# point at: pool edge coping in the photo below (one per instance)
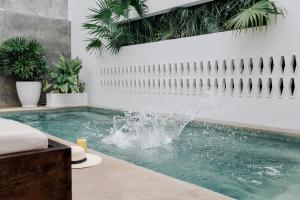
(255, 127)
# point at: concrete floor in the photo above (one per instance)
(115, 179)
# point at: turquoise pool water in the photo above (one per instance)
(240, 163)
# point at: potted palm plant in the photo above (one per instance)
(64, 86)
(24, 60)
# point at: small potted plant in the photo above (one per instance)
(64, 85)
(24, 60)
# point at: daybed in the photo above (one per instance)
(43, 173)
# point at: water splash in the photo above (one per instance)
(144, 130)
(91, 131)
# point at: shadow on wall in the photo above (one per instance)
(8, 92)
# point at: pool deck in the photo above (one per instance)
(115, 179)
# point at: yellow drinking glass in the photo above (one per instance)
(83, 143)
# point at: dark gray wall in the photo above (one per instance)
(52, 32)
(57, 9)
(8, 93)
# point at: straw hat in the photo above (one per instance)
(80, 159)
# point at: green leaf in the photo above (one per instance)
(23, 59)
(65, 77)
(102, 24)
(255, 17)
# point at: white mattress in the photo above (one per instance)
(17, 137)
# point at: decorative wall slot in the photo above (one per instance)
(241, 86)
(271, 65)
(294, 64)
(224, 86)
(208, 67)
(224, 67)
(181, 68)
(216, 67)
(259, 86)
(292, 87)
(188, 68)
(250, 66)
(270, 86)
(164, 69)
(232, 66)
(201, 67)
(250, 86)
(201, 84)
(153, 69)
(282, 64)
(195, 67)
(181, 83)
(281, 86)
(159, 69)
(216, 85)
(231, 86)
(194, 84)
(242, 66)
(208, 84)
(261, 65)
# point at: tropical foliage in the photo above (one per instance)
(256, 16)
(23, 60)
(102, 24)
(215, 16)
(65, 77)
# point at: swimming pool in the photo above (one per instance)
(240, 163)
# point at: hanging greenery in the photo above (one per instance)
(103, 26)
(256, 16)
(215, 16)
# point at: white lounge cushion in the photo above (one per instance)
(17, 137)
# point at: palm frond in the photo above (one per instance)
(94, 45)
(139, 6)
(102, 24)
(118, 38)
(255, 17)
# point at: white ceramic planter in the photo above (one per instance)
(29, 93)
(55, 100)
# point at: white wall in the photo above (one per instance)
(78, 10)
(104, 76)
